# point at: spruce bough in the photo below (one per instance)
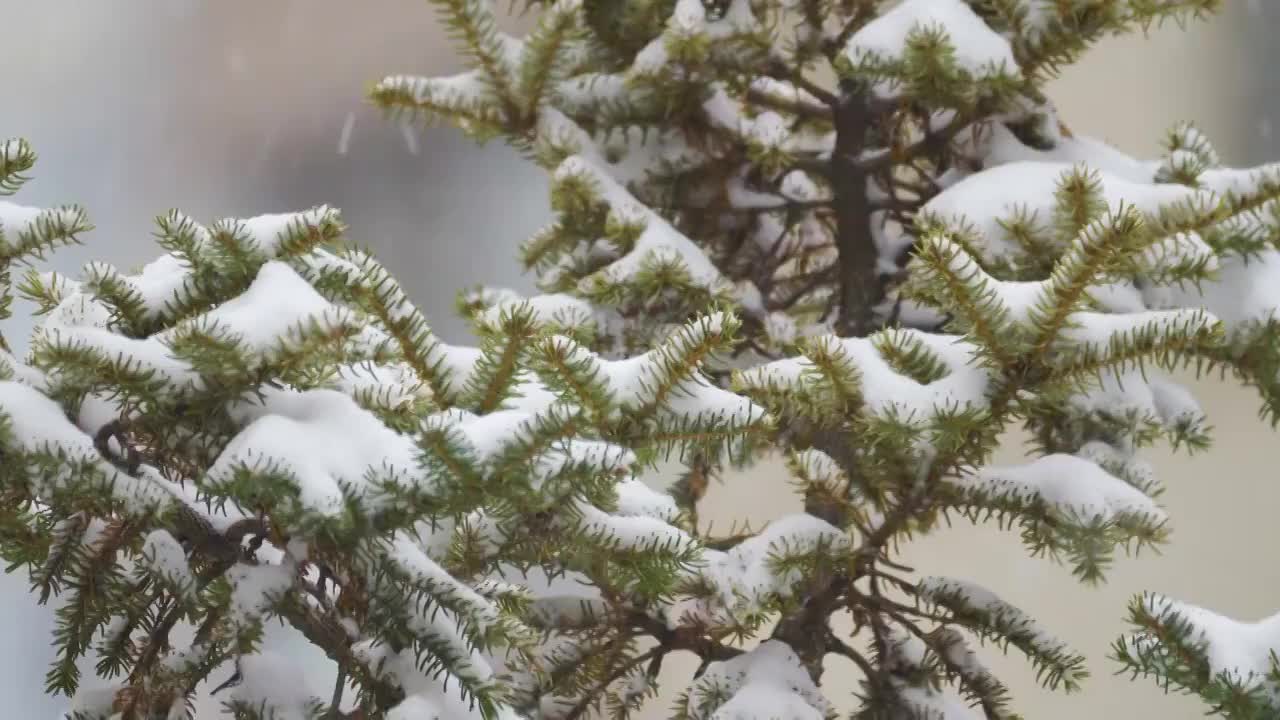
(848, 232)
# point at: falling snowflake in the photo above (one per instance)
(410, 137)
(344, 139)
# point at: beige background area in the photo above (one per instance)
(237, 107)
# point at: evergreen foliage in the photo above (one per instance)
(850, 232)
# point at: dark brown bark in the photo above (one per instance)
(860, 286)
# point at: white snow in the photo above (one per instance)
(487, 437)
(746, 575)
(1117, 297)
(634, 381)
(1237, 182)
(276, 682)
(37, 424)
(12, 149)
(323, 439)
(1119, 394)
(12, 369)
(1072, 486)
(420, 707)
(266, 233)
(255, 588)
(798, 185)
(148, 355)
(464, 91)
(769, 129)
(907, 652)
(563, 599)
(424, 572)
(630, 533)
(388, 386)
(999, 146)
(785, 91)
(162, 554)
(945, 590)
(636, 499)
(96, 700)
(160, 282)
(18, 220)
(885, 391)
(818, 467)
(766, 683)
(553, 308)
(978, 49)
(1098, 330)
(688, 21)
(766, 129)
(1179, 250)
(1175, 403)
(270, 313)
(658, 242)
(583, 93)
(77, 309)
(926, 701)
(984, 199)
(434, 697)
(742, 195)
(781, 328)
(1240, 649)
(1133, 470)
(749, 298)
(1242, 295)
(1017, 298)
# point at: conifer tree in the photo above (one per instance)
(853, 233)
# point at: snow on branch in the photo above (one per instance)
(1068, 506)
(1071, 487)
(1232, 664)
(977, 49)
(984, 613)
(768, 682)
(16, 157)
(655, 244)
(856, 370)
(27, 233)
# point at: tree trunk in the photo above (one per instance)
(860, 286)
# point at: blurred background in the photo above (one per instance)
(236, 108)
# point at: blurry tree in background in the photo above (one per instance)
(237, 108)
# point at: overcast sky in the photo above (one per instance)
(238, 108)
